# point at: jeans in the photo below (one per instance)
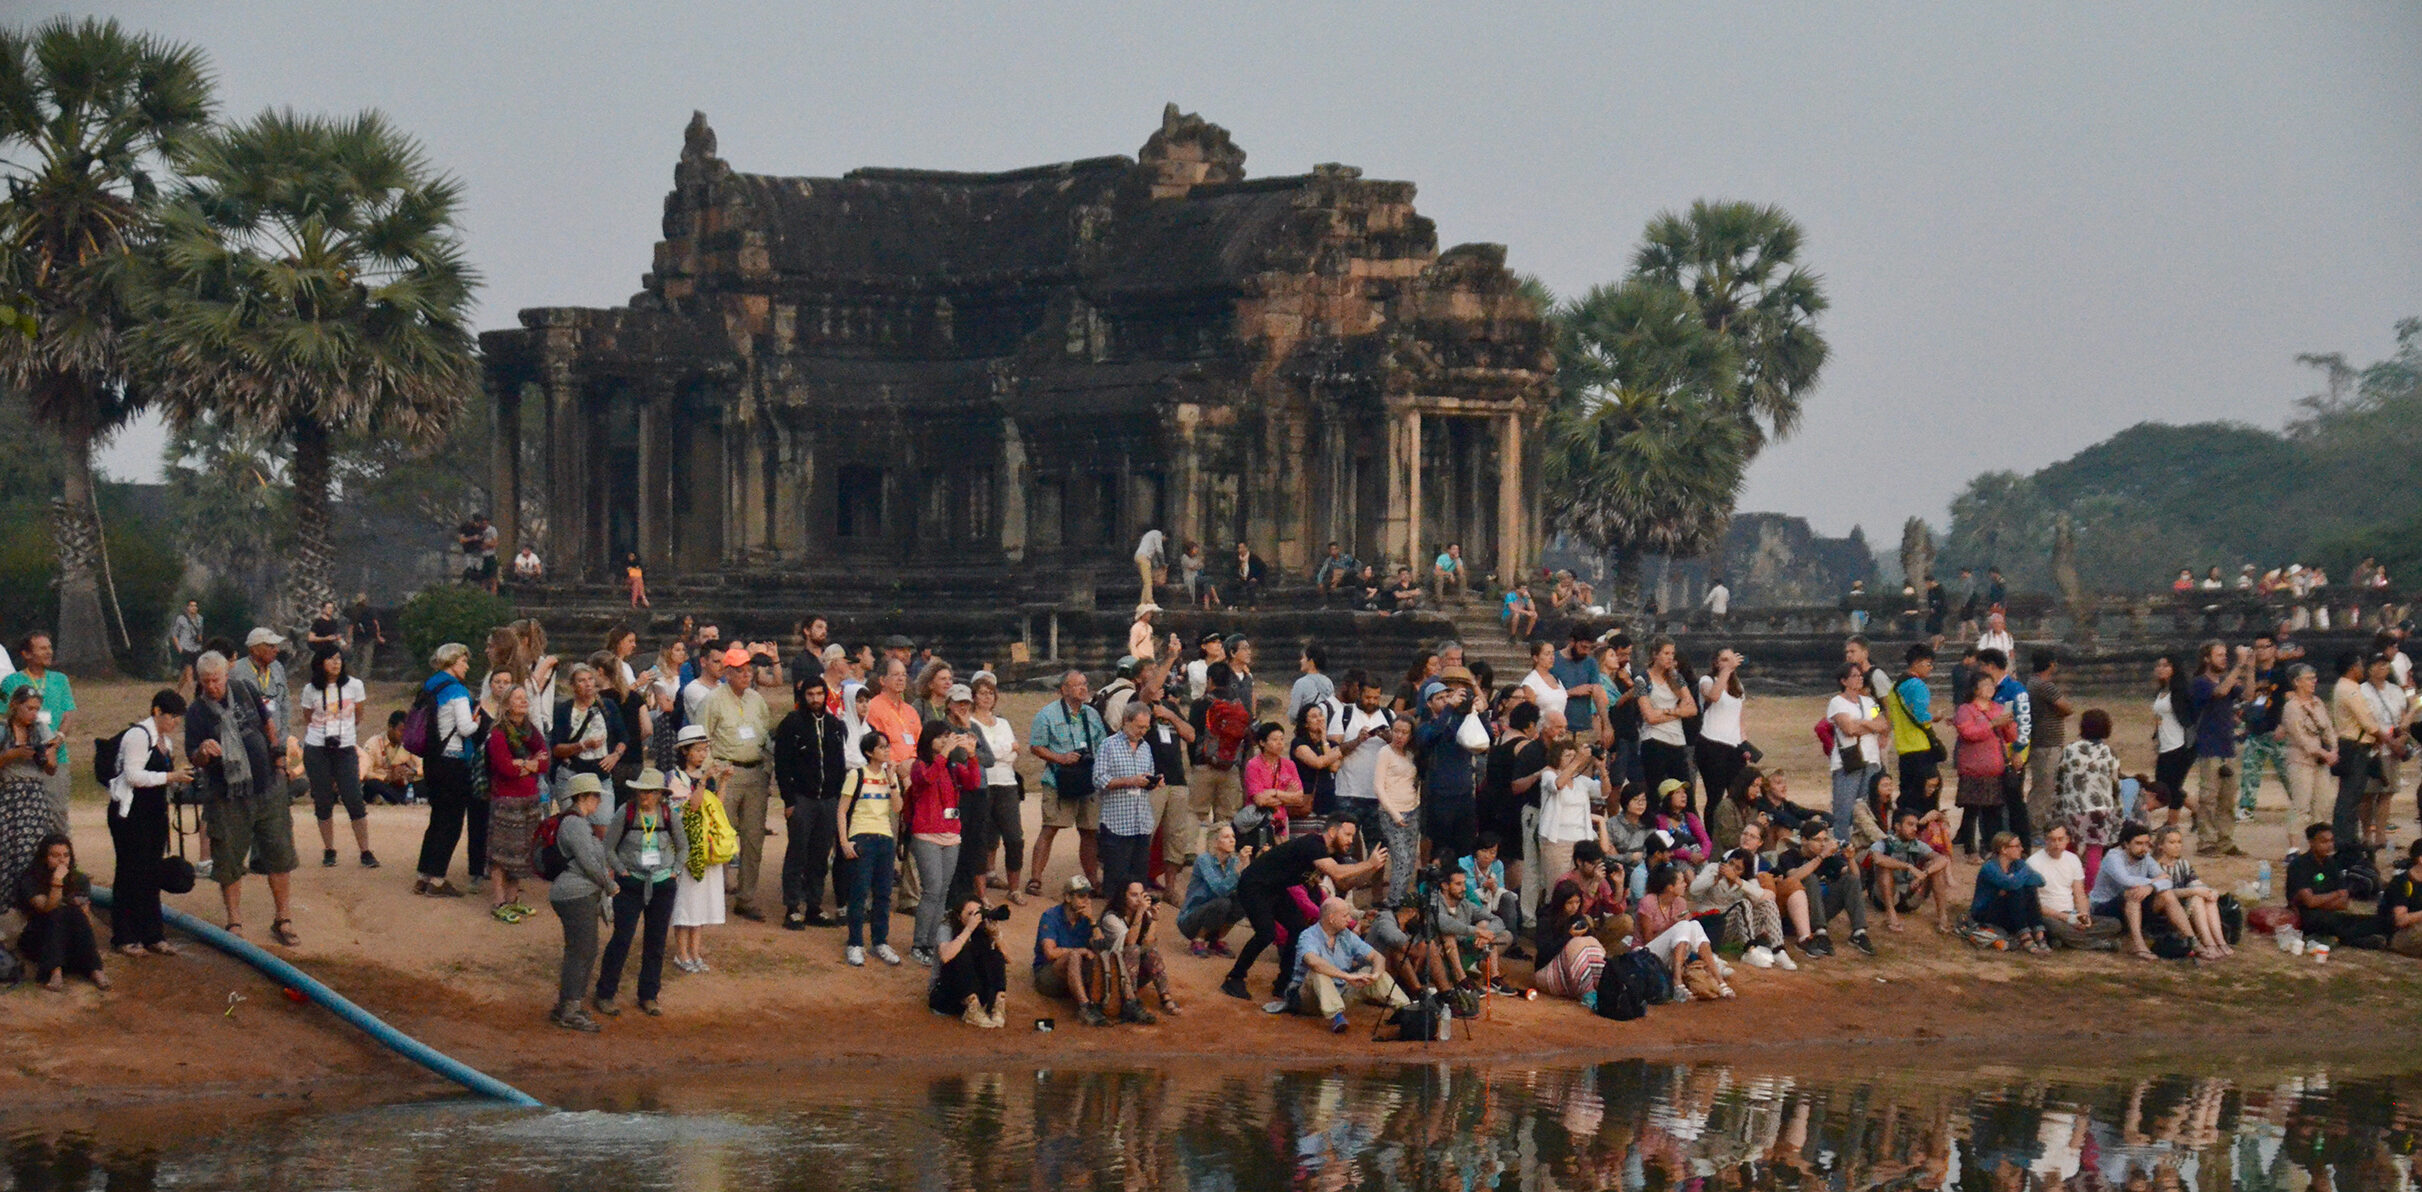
(1214, 917)
(579, 916)
(870, 889)
(1829, 898)
(1124, 859)
(637, 904)
(935, 863)
(2015, 912)
(1848, 787)
(815, 832)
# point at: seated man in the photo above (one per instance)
(388, 769)
(1656, 851)
(1408, 948)
(2316, 891)
(1484, 887)
(1332, 963)
(2401, 906)
(1471, 942)
(1403, 595)
(2130, 878)
(1832, 883)
(1520, 614)
(1367, 592)
(2069, 919)
(1066, 966)
(1904, 864)
(1768, 796)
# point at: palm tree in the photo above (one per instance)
(312, 287)
(89, 116)
(1739, 264)
(1643, 452)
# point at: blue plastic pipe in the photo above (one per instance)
(294, 978)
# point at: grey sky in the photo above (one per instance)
(2038, 223)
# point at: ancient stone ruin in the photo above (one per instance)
(1017, 373)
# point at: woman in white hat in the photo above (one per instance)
(698, 895)
(1139, 634)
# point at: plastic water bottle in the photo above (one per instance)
(2262, 879)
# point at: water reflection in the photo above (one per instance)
(1455, 1129)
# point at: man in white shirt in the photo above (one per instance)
(1718, 602)
(710, 678)
(1312, 685)
(1148, 559)
(1363, 733)
(2068, 918)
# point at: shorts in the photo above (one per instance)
(1084, 815)
(186, 659)
(2115, 909)
(249, 836)
(1050, 980)
(1181, 830)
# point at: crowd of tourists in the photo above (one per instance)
(1598, 828)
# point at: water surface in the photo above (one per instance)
(1625, 1125)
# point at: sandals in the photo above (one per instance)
(282, 930)
(130, 949)
(163, 948)
(504, 913)
(235, 929)
(1034, 887)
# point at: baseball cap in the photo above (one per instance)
(1669, 786)
(263, 637)
(961, 693)
(1076, 884)
(736, 656)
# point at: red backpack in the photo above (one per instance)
(549, 856)
(1229, 724)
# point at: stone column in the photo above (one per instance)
(504, 459)
(567, 475)
(1510, 530)
(1401, 528)
(1012, 495)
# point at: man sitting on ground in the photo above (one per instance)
(2130, 878)
(1903, 863)
(2316, 890)
(1484, 887)
(1332, 963)
(2069, 920)
(1410, 951)
(1471, 943)
(1832, 883)
(388, 770)
(2401, 906)
(1066, 966)
(1261, 893)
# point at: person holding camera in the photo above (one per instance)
(945, 771)
(972, 976)
(1129, 948)
(1125, 776)
(1472, 940)
(1262, 892)
(1210, 909)
(1450, 817)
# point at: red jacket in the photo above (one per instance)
(933, 794)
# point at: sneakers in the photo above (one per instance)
(369, 859)
(605, 1006)
(794, 920)
(327, 858)
(1133, 1011)
(651, 1009)
(1235, 988)
(571, 1018)
(820, 919)
(1200, 949)
(1219, 948)
(856, 956)
(974, 1014)
(1091, 1015)
(884, 953)
(1723, 970)
(1817, 945)
(1859, 940)
(1337, 1023)
(1783, 961)
(1274, 1006)
(201, 870)
(993, 1017)
(1758, 956)
(922, 955)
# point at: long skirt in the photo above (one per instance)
(698, 903)
(25, 818)
(513, 835)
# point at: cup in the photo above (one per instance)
(2320, 953)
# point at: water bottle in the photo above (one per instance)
(2262, 879)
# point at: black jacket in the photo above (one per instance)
(249, 713)
(808, 757)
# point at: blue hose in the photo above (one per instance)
(294, 978)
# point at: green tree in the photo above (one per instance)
(1643, 453)
(313, 287)
(90, 116)
(1739, 265)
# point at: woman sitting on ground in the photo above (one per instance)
(1570, 956)
(1130, 939)
(2005, 894)
(54, 897)
(1627, 830)
(972, 979)
(1728, 886)
(1211, 909)
(1674, 936)
(2201, 902)
(1677, 820)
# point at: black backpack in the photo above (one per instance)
(1644, 974)
(105, 756)
(1422, 1021)
(1617, 999)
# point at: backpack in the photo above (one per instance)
(1229, 723)
(547, 852)
(1428, 1019)
(1824, 734)
(1646, 976)
(1617, 998)
(105, 755)
(420, 725)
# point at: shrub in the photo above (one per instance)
(445, 613)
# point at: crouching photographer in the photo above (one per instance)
(972, 980)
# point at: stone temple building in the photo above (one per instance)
(1017, 373)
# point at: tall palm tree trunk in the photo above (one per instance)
(310, 575)
(83, 643)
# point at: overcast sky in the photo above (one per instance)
(2037, 223)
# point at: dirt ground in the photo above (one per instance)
(443, 971)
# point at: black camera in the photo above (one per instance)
(998, 914)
